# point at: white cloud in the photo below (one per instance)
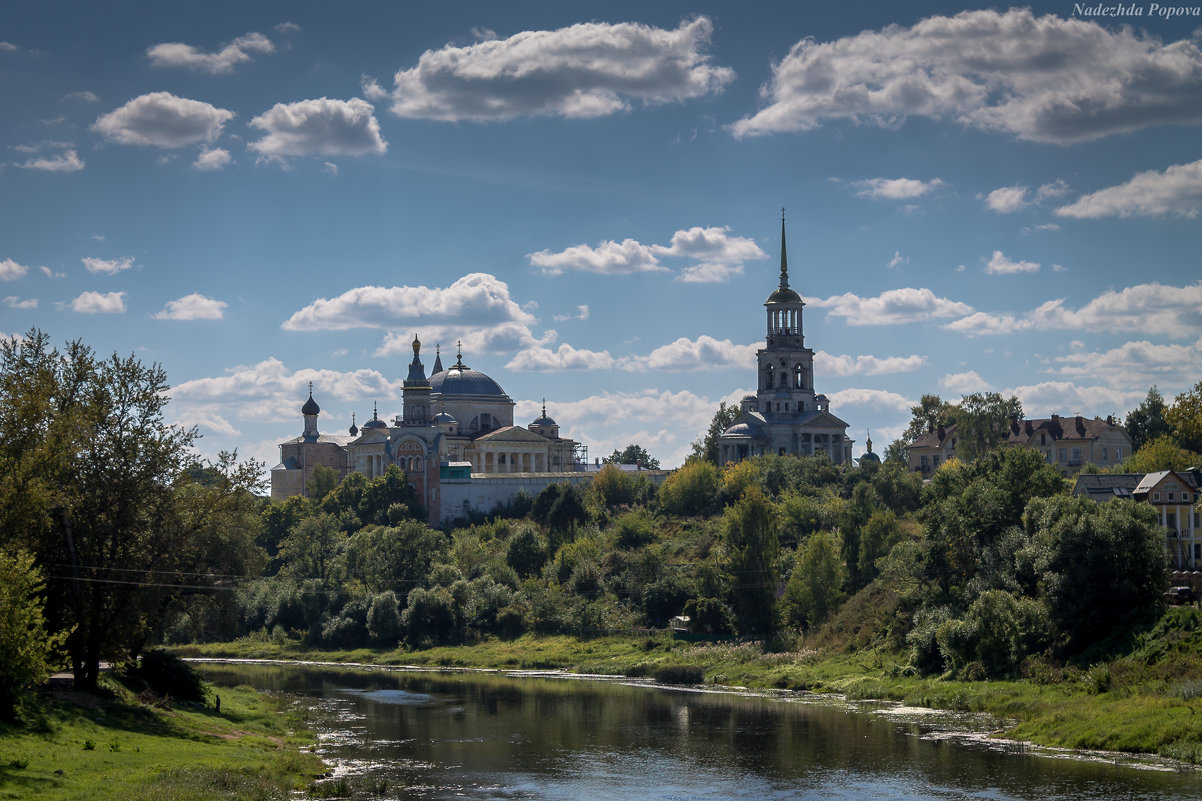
(1177, 190)
(330, 168)
(830, 364)
(321, 127)
(163, 120)
(998, 264)
(1046, 79)
(14, 302)
(476, 309)
(709, 273)
(1139, 363)
(703, 353)
(1008, 199)
(608, 258)
(1154, 309)
(1066, 398)
(586, 70)
(712, 244)
(964, 383)
(874, 399)
(83, 96)
(8, 47)
(192, 307)
(896, 188)
(898, 260)
(46, 271)
(1057, 188)
(214, 159)
(892, 307)
(67, 161)
(11, 270)
(177, 54)
(99, 303)
(107, 266)
(563, 358)
(581, 314)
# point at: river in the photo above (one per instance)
(471, 735)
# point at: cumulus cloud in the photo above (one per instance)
(99, 303)
(998, 264)
(107, 266)
(608, 258)
(892, 307)
(220, 62)
(581, 314)
(1066, 398)
(1045, 79)
(873, 399)
(703, 353)
(1139, 363)
(476, 299)
(14, 302)
(895, 188)
(192, 307)
(503, 338)
(321, 127)
(214, 159)
(163, 120)
(830, 364)
(1176, 191)
(565, 357)
(719, 255)
(83, 96)
(1010, 199)
(66, 161)
(964, 383)
(11, 270)
(1154, 309)
(586, 70)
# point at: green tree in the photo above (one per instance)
(749, 535)
(89, 471)
(396, 558)
(384, 492)
(633, 454)
(1162, 453)
(312, 549)
(1098, 564)
(526, 553)
(815, 586)
(613, 486)
(706, 448)
(931, 412)
(983, 422)
(691, 489)
(27, 650)
(323, 481)
(1146, 422)
(1185, 416)
(877, 538)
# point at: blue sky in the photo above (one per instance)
(587, 195)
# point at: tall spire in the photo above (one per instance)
(784, 260)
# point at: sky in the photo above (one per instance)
(588, 197)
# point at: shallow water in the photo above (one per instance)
(429, 735)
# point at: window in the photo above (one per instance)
(1105, 453)
(925, 465)
(1185, 497)
(1076, 455)
(1118, 454)
(1061, 455)
(936, 462)
(1156, 496)
(786, 406)
(1170, 495)
(1048, 454)
(1043, 439)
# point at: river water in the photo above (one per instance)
(478, 736)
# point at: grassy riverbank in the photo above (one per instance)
(1147, 701)
(114, 747)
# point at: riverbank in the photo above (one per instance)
(113, 747)
(1146, 702)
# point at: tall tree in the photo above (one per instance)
(749, 533)
(88, 482)
(983, 422)
(707, 447)
(633, 454)
(1146, 422)
(931, 412)
(815, 587)
(1185, 417)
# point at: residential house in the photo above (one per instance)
(1174, 495)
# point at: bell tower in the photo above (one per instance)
(786, 365)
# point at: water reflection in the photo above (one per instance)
(479, 736)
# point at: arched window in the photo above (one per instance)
(768, 380)
(799, 376)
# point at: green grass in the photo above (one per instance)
(253, 750)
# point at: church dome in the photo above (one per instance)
(459, 379)
(310, 406)
(443, 418)
(784, 295)
(742, 430)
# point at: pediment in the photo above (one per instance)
(511, 434)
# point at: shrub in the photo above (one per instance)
(169, 675)
(680, 674)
